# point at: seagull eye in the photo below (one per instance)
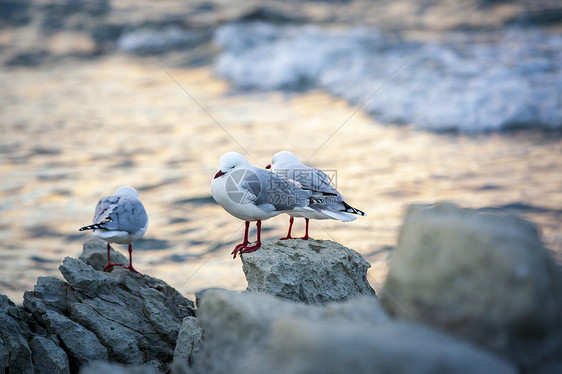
(232, 167)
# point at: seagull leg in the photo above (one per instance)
(130, 267)
(258, 243)
(244, 243)
(109, 265)
(305, 237)
(291, 220)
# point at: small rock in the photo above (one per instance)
(304, 347)
(234, 323)
(48, 358)
(49, 293)
(15, 355)
(82, 344)
(93, 256)
(311, 271)
(189, 341)
(485, 277)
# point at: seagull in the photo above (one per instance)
(253, 194)
(330, 206)
(120, 218)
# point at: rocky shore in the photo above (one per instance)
(467, 292)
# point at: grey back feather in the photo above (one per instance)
(274, 192)
(121, 213)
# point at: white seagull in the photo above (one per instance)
(253, 194)
(120, 218)
(330, 206)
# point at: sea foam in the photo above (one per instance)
(462, 84)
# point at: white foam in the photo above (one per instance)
(461, 84)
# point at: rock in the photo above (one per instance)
(15, 355)
(48, 358)
(112, 368)
(120, 316)
(481, 276)
(82, 345)
(234, 323)
(304, 347)
(49, 293)
(312, 271)
(97, 259)
(201, 293)
(189, 341)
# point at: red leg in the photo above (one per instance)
(291, 220)
(305, 237)
(258, 243)
(244, 243)
(130, 267)
(109, 265)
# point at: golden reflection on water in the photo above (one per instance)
(74, 132)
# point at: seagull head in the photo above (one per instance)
(284, 160)
(229, 162)
(127, 191)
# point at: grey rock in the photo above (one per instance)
(49, 293)
(3, 354)
(311, 271)
(81, 344)
(95, 315)
(303, 347)
(113, 368)
(123, 343)
(15, 355)
(484, 277)
(97, 259)
(189, 341)
(199, 295)
(48, 358)
(234, 323)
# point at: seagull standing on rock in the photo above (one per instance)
(330, 206)
(121, 219)
(253, 194)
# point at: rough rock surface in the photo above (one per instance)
(234, 323)
(257, 333)
(118, 316)
(15, 355)
(99, 367)
(301, 347)
(48, 358)
(189, 342)
(481, 276)
(310, 271)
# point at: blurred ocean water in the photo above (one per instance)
(463, 83)
(95, 95)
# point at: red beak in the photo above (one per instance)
(219, 173)
(268, 167)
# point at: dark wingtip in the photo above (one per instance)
(350, 209)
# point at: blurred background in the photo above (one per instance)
(408, 101)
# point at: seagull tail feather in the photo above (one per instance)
(91, 227)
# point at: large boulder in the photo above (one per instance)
(257, 333)
(119, 316)
(234, 323)
(481, 276)
(309, 271)
(322, 347)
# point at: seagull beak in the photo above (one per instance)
(219, 173)
(268, 166)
